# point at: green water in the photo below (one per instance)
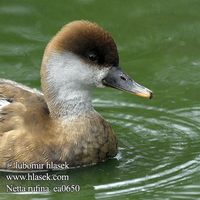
(159, 139)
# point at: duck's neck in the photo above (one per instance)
(62, 78)
(69, 102)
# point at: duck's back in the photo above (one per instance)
(20, 104)
(22, 111)
(29, 135)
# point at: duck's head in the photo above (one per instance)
(82, 55)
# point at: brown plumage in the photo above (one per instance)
(60, 125)
(28, 132)
(84, 37)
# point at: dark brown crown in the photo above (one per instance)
(87, 40)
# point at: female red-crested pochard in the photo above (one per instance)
(60, 125)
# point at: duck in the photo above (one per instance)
(59, 123)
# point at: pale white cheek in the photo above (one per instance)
(70, 80)
(65, 68)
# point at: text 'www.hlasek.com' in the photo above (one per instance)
(30, 182)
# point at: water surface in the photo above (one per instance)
(159, 140)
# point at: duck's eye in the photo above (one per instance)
(93, 57)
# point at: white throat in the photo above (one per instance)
(69, 81)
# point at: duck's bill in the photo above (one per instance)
(117, 79)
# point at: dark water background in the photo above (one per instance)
(159, 46)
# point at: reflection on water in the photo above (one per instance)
(16, 9)
(166, 148)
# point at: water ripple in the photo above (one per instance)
(166, 148)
